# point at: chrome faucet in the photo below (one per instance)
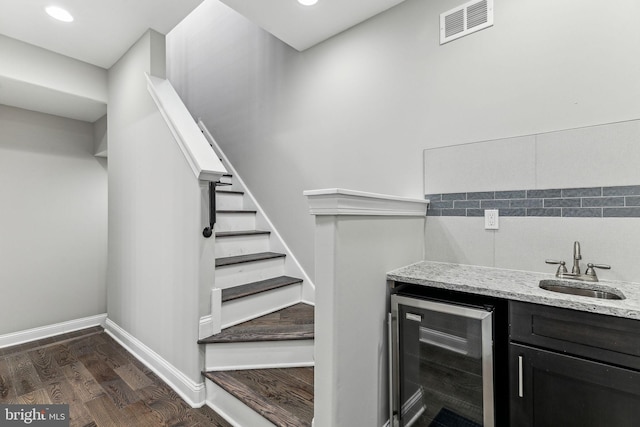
(589, 275)
(576, 258)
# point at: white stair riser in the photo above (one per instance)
(247, 308)
(231, 409)
(241, 245)
(235, 221)
(225, 200)
(259, 355)
(239, 274)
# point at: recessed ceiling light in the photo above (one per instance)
(307, 2)
(59, 14)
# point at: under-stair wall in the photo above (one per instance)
(157, 254)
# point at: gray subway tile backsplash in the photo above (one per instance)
(562, 203)
(494, 204)
(454, 196)
(582, 192)
(442, 204)
(513, 212)
(543, 194)
(453, 212)
(482, 195)
(526, 203)
(517, 194)
(621, 212)
(582, 212)
(632, 201)
(467, 204)
(587, 202)
(544, 212)
(602, 201)
(626, 190)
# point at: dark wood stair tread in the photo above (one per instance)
(229, 192)
(240, 259)
(253, 288)
(241, 233)
(283, 396)
(291, 323)
(239, 211)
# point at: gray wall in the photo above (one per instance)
(154, 220)
(357, 110)
(53, 221)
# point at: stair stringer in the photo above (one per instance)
(292, 266)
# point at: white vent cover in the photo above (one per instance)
(466, 19)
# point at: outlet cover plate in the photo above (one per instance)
(491, 219)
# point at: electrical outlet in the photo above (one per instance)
(491, 219)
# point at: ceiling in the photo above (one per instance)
(103, 30)
(302, 27)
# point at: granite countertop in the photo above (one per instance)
(518, 286)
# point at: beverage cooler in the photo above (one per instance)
(442, 363)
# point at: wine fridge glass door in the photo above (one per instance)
(442, 364)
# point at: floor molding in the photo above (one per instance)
(193, 393)
(42, 332)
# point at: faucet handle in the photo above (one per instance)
(590, 268)
(562, 268)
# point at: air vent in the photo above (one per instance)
(466, 19)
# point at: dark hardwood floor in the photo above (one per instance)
(103, 384)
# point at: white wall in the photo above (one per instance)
(155, 223)
(353, 255)
(357, 110)
(40, 80)
(53, 221)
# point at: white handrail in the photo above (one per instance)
(203, 162)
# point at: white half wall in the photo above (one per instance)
(357, 110)
(155, 222)
(353, 254)
(53, 221)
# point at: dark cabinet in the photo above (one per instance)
(570, 368)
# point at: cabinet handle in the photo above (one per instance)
(520, 387)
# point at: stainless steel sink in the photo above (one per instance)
(581, 289)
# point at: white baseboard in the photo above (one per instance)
(192, 392)
(233, 410)
(34, 334)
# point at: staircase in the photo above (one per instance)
(259, 366)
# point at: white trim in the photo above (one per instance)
(338, 201)
(193, 393)
(202, 160)
(290, 256)
(235, 356)
(232, 409)
(34, 334)
(205, 327)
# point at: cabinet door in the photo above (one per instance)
(551, 389)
